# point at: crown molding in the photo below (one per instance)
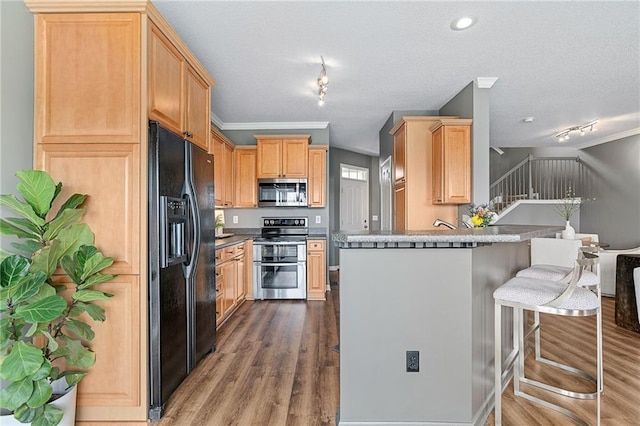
(485, 82)
(605, 139)
(294, 125)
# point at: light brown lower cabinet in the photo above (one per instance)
(232, 274)
(316, 270)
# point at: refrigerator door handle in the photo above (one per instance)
(194, 219)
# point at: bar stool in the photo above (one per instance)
(553, 259)
(550, 297)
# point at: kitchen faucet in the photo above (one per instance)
(439, 222)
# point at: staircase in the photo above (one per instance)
(540, 178)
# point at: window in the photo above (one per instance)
(354, 173)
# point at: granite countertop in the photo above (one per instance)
(463, 237)
(231, 240)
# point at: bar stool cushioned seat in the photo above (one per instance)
(537, 292)
(558, 273)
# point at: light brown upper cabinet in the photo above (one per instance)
(451, 162)
(413, 207)
(283, 156)
(246, 184)
(317, 184)
(178, 95)
(222, 150)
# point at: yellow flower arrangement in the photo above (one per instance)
(481, 215)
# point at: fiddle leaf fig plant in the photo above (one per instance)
(44, 332)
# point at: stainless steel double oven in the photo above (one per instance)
(280, 259)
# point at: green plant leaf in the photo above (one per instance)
(43, 372)
(5, 335)
(95, 264)
(23, 209)
(23, 361)
(90, 295)
(42, 391)
(96, 279)
(27, 246)
(16, 394)
(72, 202)
(52, 416)
(46, 260)
(74, 236)
(29, 287)
(95, 312)
(65, 219)
(43, 310)
(13, 269)
(73, 377)
(80, 329)
(52, 345)
(78, 356)
(37, 188)
(45, 291)
(70, 266)
(26, 414)
(10, 226)
(4, 254)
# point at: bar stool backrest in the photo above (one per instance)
(554, 251)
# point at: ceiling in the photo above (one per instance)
(564, 63)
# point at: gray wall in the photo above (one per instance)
(339, 156)
(16, 99)
(615, 172)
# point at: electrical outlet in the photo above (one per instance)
(413, 361)
(318, 219)
(235, 219)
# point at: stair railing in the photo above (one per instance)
(539, 178)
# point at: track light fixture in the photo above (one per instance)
(323, 82)
(565, 135)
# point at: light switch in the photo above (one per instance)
(235, 219)
(318, 219)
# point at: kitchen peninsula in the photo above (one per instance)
(431, 292)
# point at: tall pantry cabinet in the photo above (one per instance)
(97, 83)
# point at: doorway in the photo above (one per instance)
(354, 198)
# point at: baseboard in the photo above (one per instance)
(334, 268)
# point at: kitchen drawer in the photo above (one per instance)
(224, 254)
(315, 245)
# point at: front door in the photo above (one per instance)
(354, 198)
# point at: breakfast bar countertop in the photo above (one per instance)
(463, 237)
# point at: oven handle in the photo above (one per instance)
(263, 263)
(279, 243)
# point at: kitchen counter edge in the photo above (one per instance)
(458, 238)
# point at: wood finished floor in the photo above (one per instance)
(276, 364)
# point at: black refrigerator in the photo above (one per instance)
(182, 288)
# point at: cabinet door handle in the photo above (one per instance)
(188, 134)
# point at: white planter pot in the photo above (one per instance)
(568, 233)
(636, 284)
(67, 403)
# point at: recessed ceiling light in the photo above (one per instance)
(463, 23)
(528, 119)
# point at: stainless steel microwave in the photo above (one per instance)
(282, 192)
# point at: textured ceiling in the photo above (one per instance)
(564, 63)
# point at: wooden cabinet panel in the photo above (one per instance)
(283, 156)
(317, 185)
(451, 163)
(197, 110)
(166, 76)
(245, 177)
(229, 280)
(248, 269)
(399, 208)
(88, 78)
(115, 379)
(110, 174)
(269, 158)
(399, 154)
(240, 278)
(316, 270)
(222, 149)
(178, 96)
(295, 158)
